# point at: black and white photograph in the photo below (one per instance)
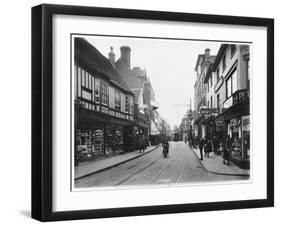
(159, 112)
(141, 112)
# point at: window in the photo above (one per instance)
(83, 77)
(79, 82)
(234, 81)
(232, 49)
(86, 79)
(223, 62)
(247, 59)
(127, 104)
(218, 74)
(218, 101)
(104, 92)
(231, 84)
(131, 105)
(211, 79)
(97, 90)
(228, 87)
(211, 102)
(93, 88)
(117, 100)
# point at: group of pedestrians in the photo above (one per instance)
(216, 145)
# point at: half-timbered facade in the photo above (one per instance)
(104, 105)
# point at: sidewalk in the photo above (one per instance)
(90, 167)
(214, 164)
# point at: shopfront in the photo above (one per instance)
(97, 135)
(237, 121)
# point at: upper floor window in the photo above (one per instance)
(104, 92)
(117, 100)
(224, 62)
(218, 101)
(218, 74)
(127, 104)
(97, 90)
(211, 78)
(131, 105)
(231, 84)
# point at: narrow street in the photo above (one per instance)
(181, 166)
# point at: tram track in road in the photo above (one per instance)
(182, 167)
(160, 172)
(140, 170)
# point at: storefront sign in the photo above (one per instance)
(207, 111)
(241, 96)
(234, 123)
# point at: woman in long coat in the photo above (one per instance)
(226, 151)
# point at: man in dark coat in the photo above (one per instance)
(201, 145)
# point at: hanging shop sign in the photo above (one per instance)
(207, 111)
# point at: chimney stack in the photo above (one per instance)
(207, 54)
(126, 55)
(111, 56)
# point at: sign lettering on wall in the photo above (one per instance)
(241, 96)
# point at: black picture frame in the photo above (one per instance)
(42, 107)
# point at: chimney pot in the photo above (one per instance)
(207, 52)
(111, 56)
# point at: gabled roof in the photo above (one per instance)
(200, 56)
(87, 56)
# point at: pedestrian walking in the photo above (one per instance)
(208, 148)
(201, 146)
(142, 145)
(226, 151)
(215, 145)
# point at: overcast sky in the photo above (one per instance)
(170, 67)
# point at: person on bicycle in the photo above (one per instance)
(166, 147)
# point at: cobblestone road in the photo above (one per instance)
(182, 166)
